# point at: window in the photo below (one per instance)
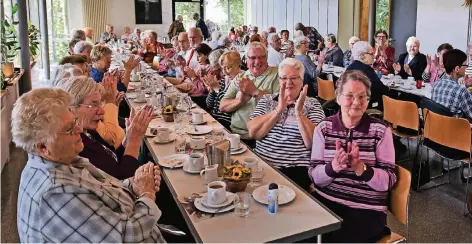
(382, 20)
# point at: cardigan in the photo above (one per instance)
(417, 65)
(106, 158)
(109, 128)
(375, 141)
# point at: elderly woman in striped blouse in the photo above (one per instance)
(354, 164)
(63, 197)
(283, 124)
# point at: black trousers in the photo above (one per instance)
(299, 175)
(359, 225)
(201, 102)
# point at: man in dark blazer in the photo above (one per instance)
(201, 24)
(411, 63)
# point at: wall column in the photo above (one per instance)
(25, 83)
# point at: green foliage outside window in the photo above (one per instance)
(382, 16)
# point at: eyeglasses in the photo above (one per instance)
(381, 36)
(256, 57)
(71, 130)
(361, 97)
(93, 105)
(291, 79)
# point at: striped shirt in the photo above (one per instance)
(283, 146)
(213, 102)
(375, 141)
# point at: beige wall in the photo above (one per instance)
(349, 17)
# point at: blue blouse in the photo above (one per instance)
(97, 76)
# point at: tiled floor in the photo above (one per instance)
(435, 215)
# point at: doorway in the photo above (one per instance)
(187, 8)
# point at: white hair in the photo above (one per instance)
(360, 48)
(298, 33)
(412, 40)
(271, 35)
(196, 29)
(81, 46)
(255, 45)
(214, 57)
(215, 35)
(222, 40)
(354, 39)
(79, 87)
(293, 63)
(64, 72)
(298, 40)
(35, 117)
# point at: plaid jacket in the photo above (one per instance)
(449, 93)
(80, 203)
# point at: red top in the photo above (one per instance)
(385, 66)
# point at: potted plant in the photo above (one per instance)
(34, 43)
(9, 45)
(236, 176)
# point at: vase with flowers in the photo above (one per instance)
(236, 176)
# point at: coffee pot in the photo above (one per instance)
(219, 153)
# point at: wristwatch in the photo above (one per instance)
(363, 169)
(256, 93)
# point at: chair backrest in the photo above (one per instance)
(401, 113)
(325, 89)
(399, 195)
(435, 107)
(447, 131)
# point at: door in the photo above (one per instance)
(402, 23)
(187, 8)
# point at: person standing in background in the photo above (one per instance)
(201, 25)
(176, 27)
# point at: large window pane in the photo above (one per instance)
(383, 15)
(187, 9)
(58, 30)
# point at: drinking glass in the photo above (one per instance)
(242, 202)
(218, 134)
(256, 177)
(180, 143)
(178, 120)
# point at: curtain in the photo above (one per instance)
(95, 16)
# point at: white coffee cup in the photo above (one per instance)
(163, 134)
(197, 117)
(135, 77)
(216, 192)
(390, 76)
(210, 173)
(196, 161)
(197, 142)
(235, 140)
(250, 163)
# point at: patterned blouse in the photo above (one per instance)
(287, 49)
(385, 67)
(213, 102)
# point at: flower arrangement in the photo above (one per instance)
(168, 113)
(236, 176)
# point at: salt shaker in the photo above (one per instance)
(273, 198)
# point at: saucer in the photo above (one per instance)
(229, 199)
(173, 161)
(241, 149)
(186, 169)
(199, 123)
(170, 139)
(138, 101)
(198, 204)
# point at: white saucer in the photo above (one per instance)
(241, 149)
(201, 207)
(170, 139)
(131, 96)
(186, 169)
(170, 161)
(286, 194)
(201, 130)
(200, 123)
(229, 199)
(137, 101)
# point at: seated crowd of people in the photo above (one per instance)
(84, 172)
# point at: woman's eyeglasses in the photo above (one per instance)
(93, 105)
(291, 79)
(361, 97)
(256, 57)
(71, 129)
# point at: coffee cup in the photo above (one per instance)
(250, 163)
(163, 134)
(197, 142)
(135, 77)
(196, 161)
(235, 140)
(210, 173)
(216, 192)
(390, 76)
(197, 117)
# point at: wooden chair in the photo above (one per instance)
(450, 138)
(325, 89)
(398, 204)
(404, 114)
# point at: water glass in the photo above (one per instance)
(178, 120)
(242, 202)
(256, 177)
(218, 134)
(180, 144)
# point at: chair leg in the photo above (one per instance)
(466, 190)
(408, 143)
(449, 170)
(419, 170)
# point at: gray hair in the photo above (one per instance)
(215, 35)
(293, 63)
(34, 118)
(352, 75)
(354, 39)
(79, 87)
(222, 40)
(197, 30)
(78, 34)
(214, 57)
(298, 40)
(64, 72)
(81, 46)
(360, 48)
(271, 36)
(255, 45)
(411, 40)
(299, 26)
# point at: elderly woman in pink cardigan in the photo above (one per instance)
(435, 70)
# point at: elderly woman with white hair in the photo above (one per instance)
(353, 164)
(62, 196)
(87, 99)
(83, 48)
(412, 63)
(215, 36)
(126, 35)
(224, 43)
(363, 56)
(311, 69)
(283, 124)
(347, 60)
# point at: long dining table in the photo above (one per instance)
(304, 217)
